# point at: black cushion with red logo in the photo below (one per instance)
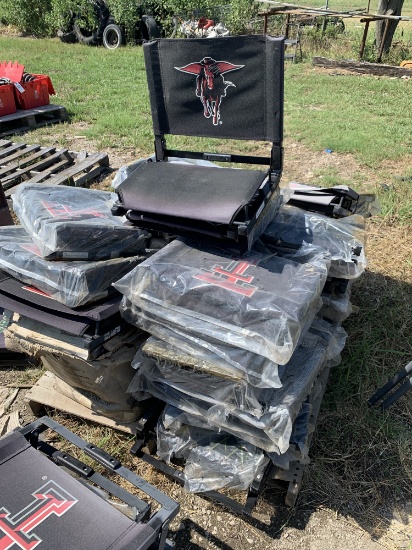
(35, 304)
(42, 505)
(74, 223)
(54, 500)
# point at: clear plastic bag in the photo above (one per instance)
(261, 302)
(336, 307)
(215, 357)
(187, 374)
(108, 377)
(343, 238)
(75, 223)
(71, 283)
(213, 460)
(273, 429)
(366, 204)
(125, 171)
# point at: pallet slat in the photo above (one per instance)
(12, 179)
(21, 153)
(101, 159)
(44, 393)
(15, 147)
(22, 163)
(45, 174)
(29, 119)
(44, 151)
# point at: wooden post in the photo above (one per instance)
(265, 23)
(287, 25)
(385, 32)
(365, 34)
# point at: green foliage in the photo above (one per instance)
(59, 16)
(126, 13)
(399, 51)
(240, 15)
(276, 25)
(370, 53)
(45, 17)
(27, 15)
(164, 10)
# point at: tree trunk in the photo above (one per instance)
(387, 7)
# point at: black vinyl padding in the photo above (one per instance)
(90, 523)
(193, 192)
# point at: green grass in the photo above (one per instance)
(396, 201)
(349, 114)
(106, 95)
(105, 90)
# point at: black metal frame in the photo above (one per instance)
(146, 436)
(275, 161)
(398, 380)
(342, 200)
(253, 493)
(159, 521)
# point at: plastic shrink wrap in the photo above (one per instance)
(212, 460)
(212, 356)
(272, 430)
(260, 303)
(343, 238)
(71, 283)
(75, 223)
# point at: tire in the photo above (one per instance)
(67, 37)
(88, 38)
(149, 28)
(92, 37)
(113, 37)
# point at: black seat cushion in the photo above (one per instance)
(188, 191)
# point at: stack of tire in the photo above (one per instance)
(106, 31)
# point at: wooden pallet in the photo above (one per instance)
(44, 394)
(28, 119)
(20, 163)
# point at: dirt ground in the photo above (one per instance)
(202, 524)
(313, 524)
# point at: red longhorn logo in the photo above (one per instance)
(210, 83)
(17, 529)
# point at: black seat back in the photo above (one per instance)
(230, 88)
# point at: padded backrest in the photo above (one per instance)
(229, 87)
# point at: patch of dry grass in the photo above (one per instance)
(362, 464)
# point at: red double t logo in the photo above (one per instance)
(232, 277)
(17, 531)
